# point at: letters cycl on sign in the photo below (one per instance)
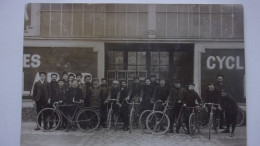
(229, 62)
(31, 60)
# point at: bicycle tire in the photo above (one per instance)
(109, 119)
(204, 119)
(210, 124)
(53, 113)
(131, 121)
(142, 119)
(192, 124)
(85, 113)
(240, 117)
(183, 126)
(163, 118)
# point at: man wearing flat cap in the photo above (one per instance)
(176, 95)
(189, 100)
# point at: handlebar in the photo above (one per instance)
(158, 101)
(55, 104)
(211, 104)
(133, 102)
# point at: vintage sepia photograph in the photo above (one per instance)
(133, 75)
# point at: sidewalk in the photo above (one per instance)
(29, 137)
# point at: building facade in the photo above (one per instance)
(190, 42)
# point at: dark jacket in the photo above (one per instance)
(62, 93)
(161, 93)
(114, 92)
(41, 91)
(190, 98)
(104, 89)
(85, 90)
(73, 93)
(135, 90)
(147, 93)
(123, 95)
(54, 89)
(219, 85)
(229, 105)
(94, 97)
(176, 95)
(212, 97)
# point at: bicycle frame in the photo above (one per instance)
(70, 119)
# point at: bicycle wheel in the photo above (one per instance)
(158, 122)
(204, 118)
(192, 124)
(87, 120)
(240, 117)
(109, 119)
(131, 121)
(183, 126)
(142, 120)
(48, 119)
(210, 124)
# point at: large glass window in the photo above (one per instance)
(137, 61)
(115, 59)
(160, 64)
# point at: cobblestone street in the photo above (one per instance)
(101, 137)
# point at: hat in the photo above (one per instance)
(191, 84)
(78, 74)
(123, 81)
(95, 79)
(220, 75)
(65, 72)
(54, 74)
(115, 82)
(71, 75)
(87, 76)
(42, 73)
(61, 80)
(103, 79)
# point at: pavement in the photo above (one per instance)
(118, 137)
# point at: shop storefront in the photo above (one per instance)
(192, 43)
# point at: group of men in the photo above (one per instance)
(69, 89)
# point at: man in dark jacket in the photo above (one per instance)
(189, 100)
(41, 96)
(103, 108)
(147, 95)
(65, 76)
(54, 87)
(176, 95)
(135, 93)
(213, 96)
(154, 84)
(85, 89)
(124, 112)
(74, 94)
(219, 85)
(230, 109)
(161, 92)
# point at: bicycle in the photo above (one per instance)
(194, 120)
(133, 116)
(111, 115)
(213, 122)
(158, 122)
(144, 115)
(86, 119)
